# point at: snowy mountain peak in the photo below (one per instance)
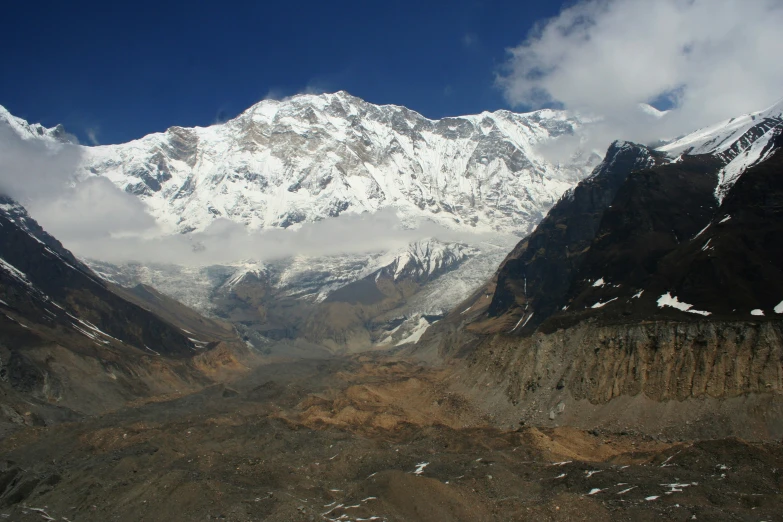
(310, 157)
(652, 111)
(740, 143)
(427, 259)
(721, 136)
(27, 131)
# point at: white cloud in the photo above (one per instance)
(34, 168)
(314, 86)
(93, 209)
(92, 135)
(225, 242)
(711, 59)
(40, 175)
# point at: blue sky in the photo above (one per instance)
(122, 70)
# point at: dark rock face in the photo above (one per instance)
(55, 276)
(641, 291)
(641, 228)
(71, 343)
(538, 272)
(667, 234)
(652, 215)
(183, 145)
(735, 263)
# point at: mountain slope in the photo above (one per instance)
(70, 342)
(540, 268)
(635, 215)
(668, 288)
(739, 143)
(28, 131)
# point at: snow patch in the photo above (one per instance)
(779, 308)
(757, 312)
(599, 304)
(199, 344)
(14, 272)
(420, 468)
(528, 319)
(702, 231)
(518, 323)
(756, 153)
(418, 331)
(599, 283)
(677, 487)
(668, 300)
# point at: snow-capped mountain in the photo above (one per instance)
(284, 163)
(316, 156)
(691, 231)
(313, 157)
(275, 298)
(29, 131)
(739, 143)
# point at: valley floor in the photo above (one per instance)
(368, 438)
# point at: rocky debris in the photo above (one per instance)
(215, 457)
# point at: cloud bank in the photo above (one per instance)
(707, 60)
(227, 242)
(34, 169)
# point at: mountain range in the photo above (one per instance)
(478, 181)
(656, 279)
(596, 340)
(283, 164)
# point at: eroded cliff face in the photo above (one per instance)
(664, 361)
(616, 375)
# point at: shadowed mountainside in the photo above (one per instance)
(71, 343)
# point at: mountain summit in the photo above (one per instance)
(311, 157)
